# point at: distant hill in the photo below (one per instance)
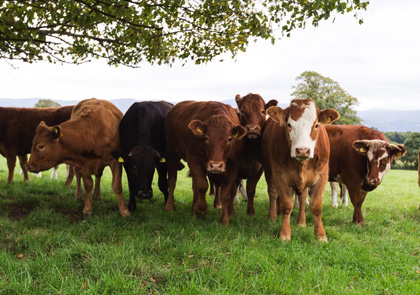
(383, 120)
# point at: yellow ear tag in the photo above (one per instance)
(235, 135)
(329, 120)
(362, 150)
(399, 154)
(61, 134)
(199, 130)
(162, 160)
(121, 160)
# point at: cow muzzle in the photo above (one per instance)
(302, 154)
(373, 181)
(216, 167)
(32, 168)
(253, 131)
(144, 195)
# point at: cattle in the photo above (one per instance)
(360, 158)
(208, 136)
(252, 115)
(418, 169)
(142, 138)
(85, 142)
(334, 193)
(17, 129)
(295, 155)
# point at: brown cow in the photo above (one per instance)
(360, 158)
(17, 129)
(252, 115)
(296, 153)
(207, 135)
(86, 142)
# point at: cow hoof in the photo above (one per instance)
(334, 206)
(219, 206)
(323, 239)
(301, 224)
(285, 238)
(125, 213)
(87, 212)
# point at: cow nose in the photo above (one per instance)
(373, 181)
(253, 129)
(302, 152)
(216, 167)
(31, 168)
(145, 195)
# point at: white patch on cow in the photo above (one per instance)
(300, 135)
(54, 174)
(374, 147)
(334, 191)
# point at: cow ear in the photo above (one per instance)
(238, 132)
(238, 99)
(397, 151)
(271, 103)
(197, 127)
(361, 146)
(276, 114)
(119, 155)
(56, 132)
(328, 116)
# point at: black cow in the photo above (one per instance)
(142, 139)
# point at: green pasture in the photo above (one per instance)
(48, 247)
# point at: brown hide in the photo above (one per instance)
(17, 130)
(285, 173)
(349, 166)
(207, 135)
(86, 142)
(252, 115)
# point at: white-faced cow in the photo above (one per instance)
(360, 158)
(296, 153)
(143, 141)
(86, 142)
(208, 136)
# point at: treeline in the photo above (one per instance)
(411, 141)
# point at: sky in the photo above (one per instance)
(377, 62)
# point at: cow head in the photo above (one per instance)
(301, 121)
(252, 113)
(219, 134)
(139, 164)
(46, 147)
(380, 155)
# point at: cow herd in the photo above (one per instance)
(296, 148)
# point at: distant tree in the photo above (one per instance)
(158, 31)
(327, 94)
(397, 137)
(412, 144)
(47, 103)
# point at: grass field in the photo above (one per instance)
(48, 247)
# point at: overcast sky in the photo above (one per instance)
(377, 62)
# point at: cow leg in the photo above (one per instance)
(273, 206)
(70, 175)
(88, 184)
(116, 170)
(357, 198)
(242, 190)
(78, 193)
(301, 219)
(54, 173)
(172, 166)
(97, 188)
(286, 207)
(217, 191)
(334, 190)
(11, 163)
(343, 195)
(227, 196)
(162, 181)
(200, 187)
(22, 161)
(315, 204)
(251, 185)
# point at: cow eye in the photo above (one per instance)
(289, 125)
(317, 125)
(40, 147)
(230, 139)
(263, 112)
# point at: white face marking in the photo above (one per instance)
(300, 135)
(374, 147)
